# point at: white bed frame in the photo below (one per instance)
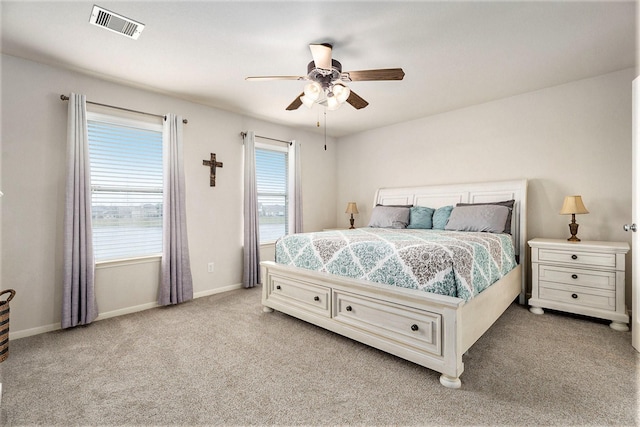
(431, 330)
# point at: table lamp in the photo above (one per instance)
(352, 208)
(573, 205)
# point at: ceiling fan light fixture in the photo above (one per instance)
(308, 102)
(341, 93)
(333, 103)
(313, 91)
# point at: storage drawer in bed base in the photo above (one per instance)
(411, 328)
(306, 296)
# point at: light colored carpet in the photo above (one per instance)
(220, 360)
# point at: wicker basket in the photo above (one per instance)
(4, 324)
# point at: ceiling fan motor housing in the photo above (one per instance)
(322, 76)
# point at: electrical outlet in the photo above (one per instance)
(210, 267)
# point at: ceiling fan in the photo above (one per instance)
(327, 80)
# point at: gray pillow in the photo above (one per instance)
(489, 218)
(389, 217)
(507, 203)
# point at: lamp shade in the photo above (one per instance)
(352, 208)
(573, 205)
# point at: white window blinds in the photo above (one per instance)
(273, 197)
(126, 187)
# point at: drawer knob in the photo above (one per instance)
(278, 287)
(574, 276)
(414, 327)
(574, 296)
(349, 308)
(574, 256)
(316, 298)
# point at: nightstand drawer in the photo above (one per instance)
(575, 276)
(605, 300)
(592, 259)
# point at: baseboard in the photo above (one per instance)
(114, 313)
(127, 310)
(217, 290)
(33, 331)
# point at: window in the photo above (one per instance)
(272, 180)
(126, 187)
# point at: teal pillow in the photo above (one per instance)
(420, 217)
(441, 216)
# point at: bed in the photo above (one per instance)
(429, 329)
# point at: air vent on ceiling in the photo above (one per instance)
(116, 23)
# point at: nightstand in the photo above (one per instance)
(580, 277)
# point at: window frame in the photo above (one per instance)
(290, 178)
(116, 120)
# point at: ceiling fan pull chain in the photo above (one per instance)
(325, 129)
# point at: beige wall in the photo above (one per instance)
(569, 139)
(33, 174)
(574, 138)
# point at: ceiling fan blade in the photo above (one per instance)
(356, 101)
(321, 55)
(296, 103)
(368, 75)
(265, 78)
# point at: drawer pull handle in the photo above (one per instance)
(278, 287)
(349, 308)
(574, 276)
(574, 256)
(574, 296)
(316, 298)
(414, 327)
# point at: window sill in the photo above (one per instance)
(129, 261)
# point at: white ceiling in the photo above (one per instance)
(454, 54)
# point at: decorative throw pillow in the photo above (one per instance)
(420, 217)
(441, 216)
(389, 217)
(489, 218)
(507, 203)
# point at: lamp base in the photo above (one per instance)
(351, 221)
(573, 228)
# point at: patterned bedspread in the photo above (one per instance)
(454, 263)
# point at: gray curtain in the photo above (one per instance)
(297, 189)
(176, 284)
(78, 297)
(251, 273)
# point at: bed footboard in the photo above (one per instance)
(424, 328)
(419, 328)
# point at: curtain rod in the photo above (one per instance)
(66, 98)
(243, 134)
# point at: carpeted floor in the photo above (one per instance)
(220, 360)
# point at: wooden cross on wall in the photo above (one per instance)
(213, 164)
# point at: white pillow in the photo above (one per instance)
(489, 218)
